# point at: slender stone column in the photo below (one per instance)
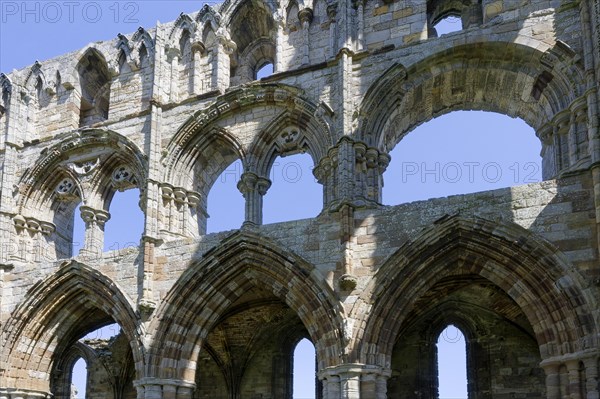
(591, 376)
(279, 45)
(173, 55)
(253, 188)
(574, 379)
(197, 51)
(552, 380)
(333, 42)
(331, 387)
(222, 62)
(350, 385)
(381, 392)
(305, 16)
(354, 381)
(359, 5)
(94, 219)
(572, 139)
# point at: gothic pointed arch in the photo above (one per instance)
(292, 131)
(182, 24)
(57, 311)
(244, 260)
(5, 93)
(292, 107)
(34, 77)
(88, 166)
(125, 54)
(555, 299)
(94, 75)
(209, 16)
(61, 379)
(252, 26)
(105, 150)
(230, 8)
(141, 38)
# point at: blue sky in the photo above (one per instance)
(457, 153)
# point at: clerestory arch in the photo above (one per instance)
(201, 130)
(508, 78)
(87, 167)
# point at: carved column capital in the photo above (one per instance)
(247, 182)
(198, 47)
(94, 216)
(173, 53)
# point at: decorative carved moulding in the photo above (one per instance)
(33, 225)
(179, 195)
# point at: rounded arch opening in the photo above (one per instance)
(78, 226)
(462, 152)
(443, 347)
(448, 24)
(57, 313)
(304, 370)
(451, 362)
(264, 69)
(79, 379)
(252, 27)
(446, 16)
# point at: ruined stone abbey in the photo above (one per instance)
(166, 110)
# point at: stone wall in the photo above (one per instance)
(167, 109)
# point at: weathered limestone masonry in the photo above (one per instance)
(217, 316)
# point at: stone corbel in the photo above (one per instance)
(180, 196)
(360, 154)
(166, 192)
(199, 47)
(33, 225)
(332, 12)
(172, 53)
(305, 16)
(229, 46)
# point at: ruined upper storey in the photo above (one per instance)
(167, 109)
(204, 54)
